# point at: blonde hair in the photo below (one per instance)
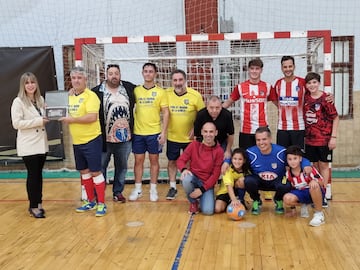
(28, 76)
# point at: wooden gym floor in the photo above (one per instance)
(162, 235)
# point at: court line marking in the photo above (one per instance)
(182, 243)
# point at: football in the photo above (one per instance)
(235, 213)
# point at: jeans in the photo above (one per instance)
(207, 199)
(121, 152)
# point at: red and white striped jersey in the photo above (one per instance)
(253, 104)
(290, 97)
(302, 181)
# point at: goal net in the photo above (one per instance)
(214, 63)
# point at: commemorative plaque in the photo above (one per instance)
(56, 104)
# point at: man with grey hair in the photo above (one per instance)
(84, 126)
(184, 103)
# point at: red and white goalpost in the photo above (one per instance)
(214, 63)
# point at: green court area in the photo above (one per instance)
(130, 175)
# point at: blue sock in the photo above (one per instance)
(241, 193)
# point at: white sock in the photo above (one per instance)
(138, 186)
(173, 184)
(152, 186)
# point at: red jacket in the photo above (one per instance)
(205, 162)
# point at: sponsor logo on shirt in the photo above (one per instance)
(289, 101)
(268, 176)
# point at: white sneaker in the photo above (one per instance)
(317, 219)
(304, 213)
(153, 195)
(135, 194)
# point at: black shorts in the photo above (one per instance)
(318, 153)
(224, 197)
(290, 137)
(173, 149)
(246, 140)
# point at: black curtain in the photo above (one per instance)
(13, 63)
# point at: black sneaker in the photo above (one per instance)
(172, 193)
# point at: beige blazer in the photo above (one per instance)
(31, 134)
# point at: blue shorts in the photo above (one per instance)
(173, 149)
(303, 195)
(146, 143)
(88, 155)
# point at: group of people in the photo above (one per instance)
(117, 117)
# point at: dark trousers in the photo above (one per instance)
(254, 183)
(34, 181)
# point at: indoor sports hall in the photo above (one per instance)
(213, 42)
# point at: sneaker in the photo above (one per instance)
(153, 195)
(172, 193)
(119, 198)
(135, 194)
(304, 213)
(279, 208)
(325, 203)
(255, 208)
(87, 206)
(268, 195)
(317, 219)
(194, 208)
(101, 210)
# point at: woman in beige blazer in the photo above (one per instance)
(28, 118)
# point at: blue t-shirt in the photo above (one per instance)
(270, 166)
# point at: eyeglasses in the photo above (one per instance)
(111, 66)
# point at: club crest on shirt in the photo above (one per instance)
(297, 88)
(154, 94)
(274, 165)
(317, 106)
(186, 101)
(262, 93)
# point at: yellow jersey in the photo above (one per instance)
(86, 102)
(183, 110)
(148, 104)
(229, 179)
